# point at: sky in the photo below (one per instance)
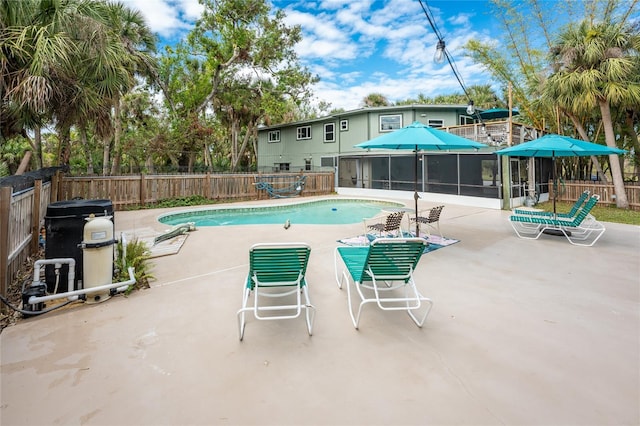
(359, 47)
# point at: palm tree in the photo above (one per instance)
(36, 54)
(597, 68)
(68, 61)
(129, 29)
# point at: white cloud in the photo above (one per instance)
(192, 9)
(358, 47)
(162, 16)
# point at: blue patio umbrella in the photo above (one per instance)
(419, 137)
(552, 146)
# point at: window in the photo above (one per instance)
(390, 122)
(274, 136)
(303, 133)
(465, 120)
(330, 132)
(283, 167)
(344, 125)
(307, 164)
(328, 161)
(436, 123)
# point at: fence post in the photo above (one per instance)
(56, 184)
(35, 216)
(143, 195)
(5, 212)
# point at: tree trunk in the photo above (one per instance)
(149, 165)
(88, 157)
(117, 154)
(105, 157)
(614, 160)
(37, 142)
(629, 130)
(64, 150)
(583, 134)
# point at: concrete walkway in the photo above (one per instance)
(521, 333)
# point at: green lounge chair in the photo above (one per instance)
(277, 270)
(581, 230)
(382, 273)
(571, 214)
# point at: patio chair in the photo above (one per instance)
(382, 273)
(384, 226)
(581, 230)
(277, 270)
(431, 218)
(574, 209)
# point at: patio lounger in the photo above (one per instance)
(431, 218)
(277, 270)
(382, 273)
(571, 214)
(386, 225)
(582, 230)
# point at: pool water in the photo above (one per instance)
(322, 212)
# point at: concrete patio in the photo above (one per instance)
(521, 333)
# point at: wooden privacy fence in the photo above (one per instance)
(134, 191)
(22, 213)
(570, 191)
(20, 217)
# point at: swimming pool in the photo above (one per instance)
(321, 212)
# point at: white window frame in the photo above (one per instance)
(436, 123)
(465, 119)
(344, 125)
(332, 132)
(389, 122)
(300, 133)
(275, 138)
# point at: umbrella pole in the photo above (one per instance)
(554, 231)
(415, 193)
(555, 185)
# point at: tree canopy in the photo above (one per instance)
(86, 73)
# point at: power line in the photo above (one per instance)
(441, 51)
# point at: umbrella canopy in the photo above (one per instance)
(552, 146)
(419, 137)
(497, 113)
(558, 146)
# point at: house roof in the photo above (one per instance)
(382, 109)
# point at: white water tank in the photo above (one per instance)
(97, 252)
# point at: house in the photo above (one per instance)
(328, 143)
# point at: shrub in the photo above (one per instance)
(138, 256)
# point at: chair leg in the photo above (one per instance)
(336, 255)
(355, 319)
(419, 322)
(438, 228)
(310, 311)
(241, 312)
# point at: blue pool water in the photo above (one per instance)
(322, 212)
